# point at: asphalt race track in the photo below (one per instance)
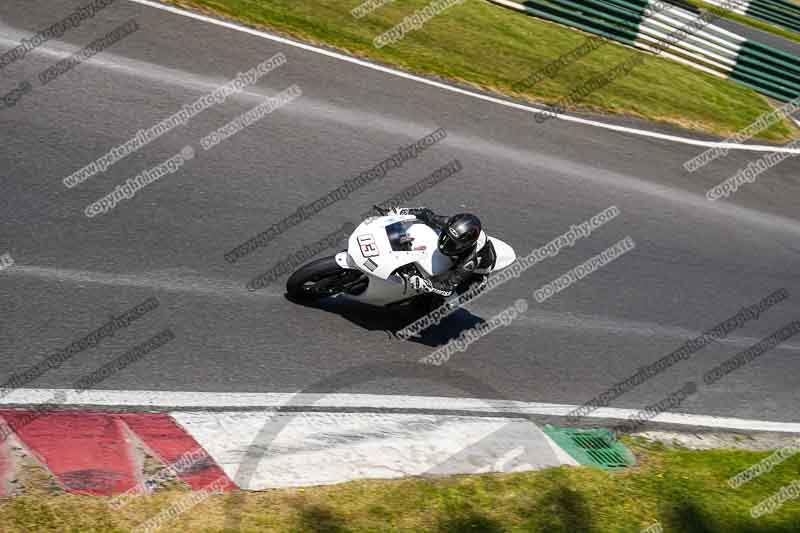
(696, 262)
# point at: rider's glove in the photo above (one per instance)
(420, 284)
(422, 213)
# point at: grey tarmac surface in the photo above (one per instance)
(696, 263)
(761, 36)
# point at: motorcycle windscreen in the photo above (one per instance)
(505, 254)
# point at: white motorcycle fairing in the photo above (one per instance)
(381, 245)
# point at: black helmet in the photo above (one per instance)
(460, 235)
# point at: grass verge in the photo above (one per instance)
(684, 490)
(490, 47)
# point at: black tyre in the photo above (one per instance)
(321, 278)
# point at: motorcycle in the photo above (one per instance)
(382, 254)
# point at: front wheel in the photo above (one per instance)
(321, 278)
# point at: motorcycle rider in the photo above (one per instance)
(462, 240)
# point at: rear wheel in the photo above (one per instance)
(323, 277)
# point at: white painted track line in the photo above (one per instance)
(458, 90)
(302, 449)
(245, 400)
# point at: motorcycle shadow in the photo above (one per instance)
(395, 318)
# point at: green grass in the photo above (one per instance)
(686, 491)
(748, 21)
(490, 47)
